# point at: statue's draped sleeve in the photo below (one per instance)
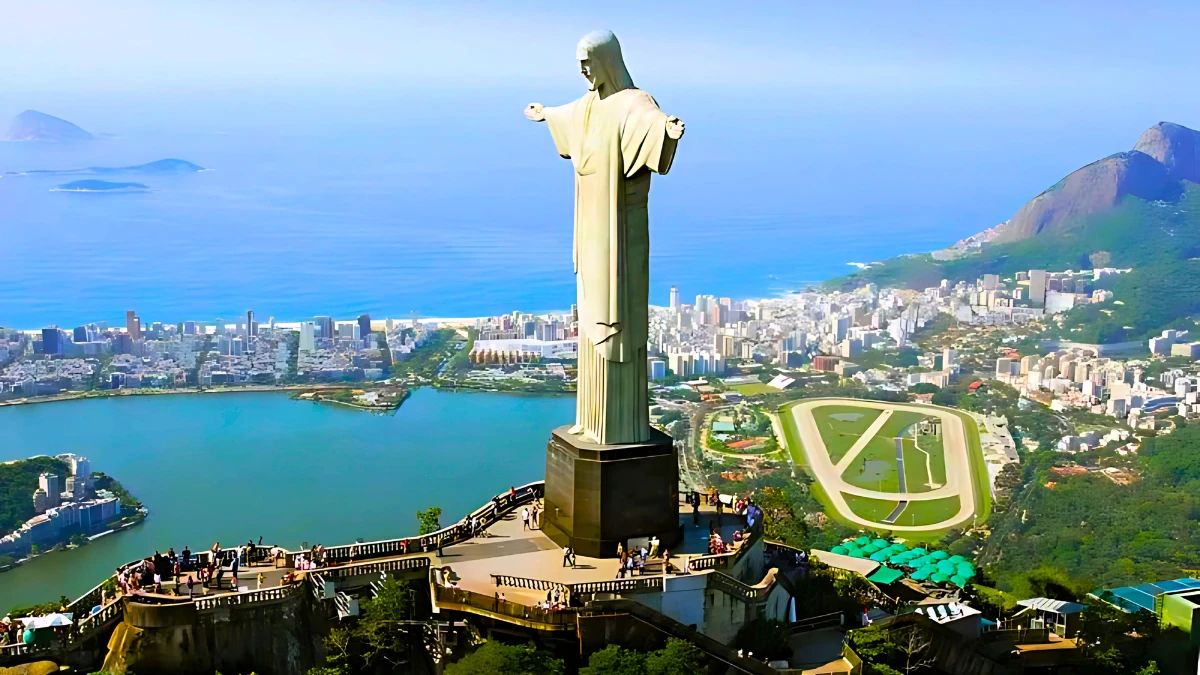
(644, 140)
(566, 138)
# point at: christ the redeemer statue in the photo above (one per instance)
(615, 136)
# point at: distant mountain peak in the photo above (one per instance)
(1164, 155)
(32, 125)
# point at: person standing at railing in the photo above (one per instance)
(525, 519)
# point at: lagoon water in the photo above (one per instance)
(231, 467)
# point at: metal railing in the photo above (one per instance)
(580, 588)
(816, 622)
(488, 514)
(462, 598)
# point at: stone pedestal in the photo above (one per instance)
(599, 495)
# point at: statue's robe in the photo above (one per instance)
(614, 143)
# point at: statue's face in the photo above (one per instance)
(591, 76)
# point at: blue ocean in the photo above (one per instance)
(451, 204)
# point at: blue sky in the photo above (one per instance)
(970, 49)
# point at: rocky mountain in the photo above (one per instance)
(32, 125)
(1164, 157)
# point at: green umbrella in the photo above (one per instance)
(850, 544)
(919, 551)
(958, 581)
(956, 559)
(897, 559)
(919, 561)
(898, 548)
(946, 566)
(966, 572)
(939, 555)
(930, 569)
(856, 553)
(939, 578)
(880, 543)
(863, 541)
(840, 550)
(879, 556)
(919, 575)
(869, 549)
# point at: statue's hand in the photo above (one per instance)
(536, 112)
(674, 128)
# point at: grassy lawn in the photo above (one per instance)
(916, 470)
(875, 467)
(899, 421)
(929, 512)
(870, 509)
(754, 389)
(937, 456)
(840, 434)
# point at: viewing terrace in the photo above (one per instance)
(503, 571)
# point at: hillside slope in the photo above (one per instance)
(1165, 155)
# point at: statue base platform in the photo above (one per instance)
(600, 495)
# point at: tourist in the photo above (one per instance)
(185, 558)
(217, 579)
(512, 493)
(250, 553)
(568, 557)
(261, 579)
(191, 584)
(525, 519)
(621, 551)
(694, 499)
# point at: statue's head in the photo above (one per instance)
(600, 61)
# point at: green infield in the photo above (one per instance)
(875, 467)
(929, 452)
(929, 512)
(900, 421)
(871, 509)
(841, 426)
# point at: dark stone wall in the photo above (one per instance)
(268, 638)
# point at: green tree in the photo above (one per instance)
(428, 520)
(678, 657)
(382, 629)
(615, 660)
(496, 657)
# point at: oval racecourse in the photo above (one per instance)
(900, 467)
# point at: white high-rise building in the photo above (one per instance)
(949, 357)
(307, 330)
(674, 299)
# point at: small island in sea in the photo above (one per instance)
(100, 186)
(157, 168)
(32, 125)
